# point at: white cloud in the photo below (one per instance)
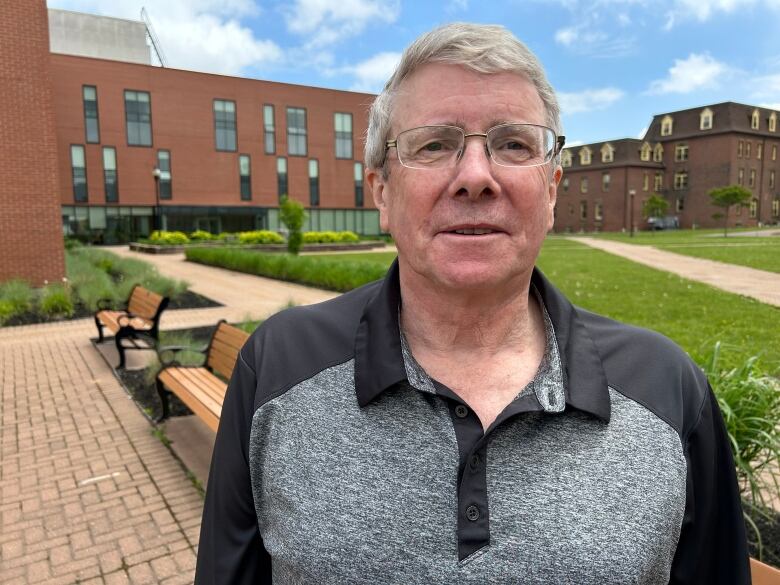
(702, 10)
(589, 100)
(775, 106)
(573, 143)
(204, 35)
(326, 22)
(566, 36)
(457, 6)
(698, 71)
(370, 75)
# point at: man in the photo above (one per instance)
(461, 421)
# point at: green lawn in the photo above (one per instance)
(694, 315)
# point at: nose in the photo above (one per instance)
(474, 175)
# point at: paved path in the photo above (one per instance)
(758, 284)
(87, 493)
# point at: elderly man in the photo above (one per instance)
(460, 421)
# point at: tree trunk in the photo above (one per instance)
(726, 222)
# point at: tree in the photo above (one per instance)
(655, 206)
(726, 197)
(292, 215)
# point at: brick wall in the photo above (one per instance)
(30, 233)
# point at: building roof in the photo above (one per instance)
(726, 117)
(626, 152)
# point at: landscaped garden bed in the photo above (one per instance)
(92, 274)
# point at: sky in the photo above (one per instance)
(613, 63)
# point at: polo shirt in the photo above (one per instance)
(339, 460)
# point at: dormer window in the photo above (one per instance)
(773, 122)
(666, 126)
(607, 153)
(754, 119)
(658, 153)
(566, 158)
(645, 151)
(705, 119)
(585, 153)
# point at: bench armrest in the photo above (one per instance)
(167, 354)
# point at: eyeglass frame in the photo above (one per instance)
(559, 141)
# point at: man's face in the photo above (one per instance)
(423, 208)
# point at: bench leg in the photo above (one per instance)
(120, 349)
(164, 394)
(100, 329)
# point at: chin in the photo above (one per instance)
(464, 274)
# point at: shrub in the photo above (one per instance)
(226, 237)
(56, 300)
(201, 236)
(260, 237)
(329, 237)
(338, 275)
(168, 238)
(292, 215)
(18, 294)
(347, 236)
(6, 311)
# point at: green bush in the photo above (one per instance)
(56, 300)
(292, 214)
(226, 237)
(18, 294)
(329, 237)
(6, 311)
(164, 238)
(338, 275)
(260, 237)
(201, 236)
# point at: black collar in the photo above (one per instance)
(379, 362)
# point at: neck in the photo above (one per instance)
(489, 320)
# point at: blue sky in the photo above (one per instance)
(614, 63)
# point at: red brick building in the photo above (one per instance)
(682, 156)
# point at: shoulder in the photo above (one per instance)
(650, 369)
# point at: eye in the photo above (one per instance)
(433, 146)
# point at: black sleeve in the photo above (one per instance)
(712, 548)
(231, 550)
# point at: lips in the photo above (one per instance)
(473, 230)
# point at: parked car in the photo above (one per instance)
(670, 222)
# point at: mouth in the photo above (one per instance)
(473, 230)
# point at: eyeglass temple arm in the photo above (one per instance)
(559, 144)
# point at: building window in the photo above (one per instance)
(605, 181)
(658, 183)
(645, 152)
(91, 123)
(753, 207)
(738, 209)
(225, 125)
(679, 204)
(681, 180)
(754, 122)
(281, 177)
(646, 182)
(138, 116)
(245, 177)
(78, 167)
(667, 125)
(771, 179)
(774, 152)
(747, 148)
(741, 176)
(681, 152)
(752, 180)
(759, 150)
(109, 174)
(269, 129)
(565, 184)
(607, 153)
(314, 183)
(583, 209)
(585, 156)
(772, 122)
(358, 184)
(775, 207)
(598, 211)
(584, 185)
(566, 158)
(705, 119)
(740, 148)
(164, 181)
(342, 124)
(658, 153)
(296, 131)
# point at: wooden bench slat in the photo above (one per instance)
(212, 391)
(207, 409)
(232, 335)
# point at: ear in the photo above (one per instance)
(376, 184)
(552, 195)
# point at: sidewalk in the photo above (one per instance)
(761, 285)
(88, 494)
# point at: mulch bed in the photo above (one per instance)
(770, 537)
(187, 300)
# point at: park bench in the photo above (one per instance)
(201, 388)
(763, 574)
(138, 321)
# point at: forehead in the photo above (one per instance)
(438, 93)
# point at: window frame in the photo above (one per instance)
(115, 199)
(681, 152)
(269, 133)
(73, 168)
(245, 180)
(97, 114)
(314, 183)
(282, 178)
(127, 120)
(359, 189)
(216, 126)
(305, 132)
(337, 137)
(165, 183)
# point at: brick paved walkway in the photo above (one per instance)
(88, 494)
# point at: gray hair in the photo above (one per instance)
(478, 47)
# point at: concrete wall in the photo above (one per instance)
(31, 245)
(75, 33)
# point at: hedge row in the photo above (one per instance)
(166, 238)
(337, 275)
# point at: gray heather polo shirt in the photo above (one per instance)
(339, 460)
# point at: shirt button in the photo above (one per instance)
(472, 513)
(461, 411)
(474, 461)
